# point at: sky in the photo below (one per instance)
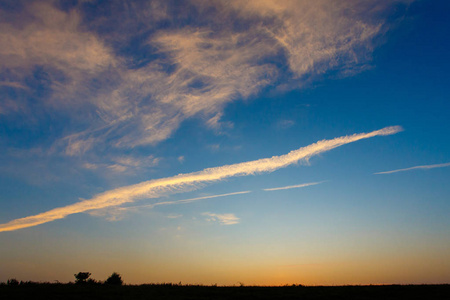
(211, 142)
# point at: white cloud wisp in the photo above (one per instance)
(158, 187)
(224, 219)
(292, 186)
(425, 167)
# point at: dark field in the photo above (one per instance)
(167, 291)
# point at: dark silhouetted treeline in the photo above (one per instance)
(83, 278)
(14, 289)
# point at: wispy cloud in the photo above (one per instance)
(48, 35)
(424, 167)
(310, 35)
(121, 164)
(285, 124)
(16, 85)
(224, 219)
(293, 186)
(158, 187)
(193, 70)
(173, 216)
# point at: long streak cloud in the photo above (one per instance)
(425, 167)
(115, 214)
(157, 187)
(184, 200)
(292, 186)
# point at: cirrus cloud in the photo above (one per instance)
(119, 98)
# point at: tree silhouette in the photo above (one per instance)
(114, 279)
(12, 281)
(81, 277)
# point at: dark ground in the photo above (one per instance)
(168, 291)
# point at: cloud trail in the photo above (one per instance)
(158, 187)
(415, 168)
(183, 201)
(116, 213)
(293, 186)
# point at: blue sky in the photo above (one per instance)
(258, 142)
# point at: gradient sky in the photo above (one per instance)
(262, 142)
